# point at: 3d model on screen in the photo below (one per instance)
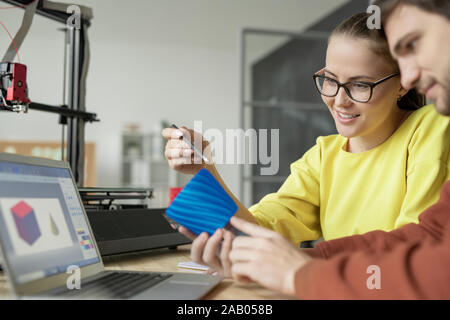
(26, 222)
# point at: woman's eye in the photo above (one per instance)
(360, 86)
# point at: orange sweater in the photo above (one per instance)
(413, 261)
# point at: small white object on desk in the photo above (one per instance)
(193, 267)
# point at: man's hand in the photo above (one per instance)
(265, 257)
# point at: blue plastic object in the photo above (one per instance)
(202, 205)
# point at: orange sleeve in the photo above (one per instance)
(430, 226)
(409, 271)
(413, 262)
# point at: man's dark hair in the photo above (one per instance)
(441, 7)
(356, 27)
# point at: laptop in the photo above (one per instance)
(48, 247)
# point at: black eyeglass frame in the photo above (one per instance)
(372, 85)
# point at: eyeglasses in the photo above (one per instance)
(359, 91)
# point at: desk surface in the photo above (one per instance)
(166, 260)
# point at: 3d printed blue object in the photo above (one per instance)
(202, 205)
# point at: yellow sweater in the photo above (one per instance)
(334, 193)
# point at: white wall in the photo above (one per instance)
(150, 60)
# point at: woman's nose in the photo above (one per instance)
(342, 99)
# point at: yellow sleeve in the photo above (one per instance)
(293, 210)
(427, 168)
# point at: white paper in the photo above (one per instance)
(192, 265)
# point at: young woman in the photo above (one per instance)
(379, 173)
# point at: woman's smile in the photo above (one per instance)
(345, 117)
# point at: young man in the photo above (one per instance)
(412, 262)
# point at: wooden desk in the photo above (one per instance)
(166, 260)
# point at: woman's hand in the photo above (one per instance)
(180, 155)
(265, 257)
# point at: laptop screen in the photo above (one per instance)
(42, 225)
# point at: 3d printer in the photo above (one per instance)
(118, 228)
(13, 87)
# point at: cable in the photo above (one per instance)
(18, 6)
(12, 40)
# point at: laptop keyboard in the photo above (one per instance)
(116, 285)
